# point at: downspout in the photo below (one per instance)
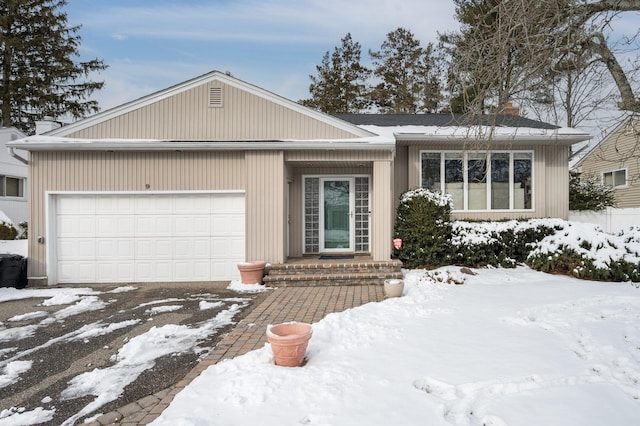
(16, 156)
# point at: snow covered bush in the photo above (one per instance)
(431, 240)
(24, 234)
(423, 222)
(501, 244)
(7, 230)
(585, 251)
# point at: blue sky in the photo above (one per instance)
(275, 44)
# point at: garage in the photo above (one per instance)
(143, 237)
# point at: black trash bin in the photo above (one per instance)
(13, 270)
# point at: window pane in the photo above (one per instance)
(620, 177)
(311, 215)
(477, 180)
(522, 189)
(608, 179)
(362, 214)
(337, 223)
(453, 178)
(500, 181)
(431, 171)
(13, 187)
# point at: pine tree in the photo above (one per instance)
(408, 75)
(40, 74)
(587, 193)
(340, 86)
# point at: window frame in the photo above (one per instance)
(21, 187)
(466, 156)
(613, 173)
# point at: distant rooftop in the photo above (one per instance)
(440, 120)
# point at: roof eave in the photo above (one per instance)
(107, 145)
(553, 139)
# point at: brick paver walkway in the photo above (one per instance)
(305, 304)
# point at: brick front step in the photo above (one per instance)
(334, 273)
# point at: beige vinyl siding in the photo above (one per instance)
(382, 210)
(616, 152)
(555, 178)
(265, 212)
(122, 171)
(187, 116)
(401, 173)
(628, 197)
(334, 157)
(550, 174)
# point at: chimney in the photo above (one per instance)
(509, 109)
(46, 125)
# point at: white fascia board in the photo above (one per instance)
(464, 134)
(52, 143)
(551, 139)
(190, 84)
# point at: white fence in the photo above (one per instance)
(611, 220)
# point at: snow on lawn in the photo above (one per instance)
(509, 346)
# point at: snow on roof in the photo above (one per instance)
(4, 219)
(41, 142)
(477, 132)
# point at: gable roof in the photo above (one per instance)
(197, 81)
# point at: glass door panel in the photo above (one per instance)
(337, 214)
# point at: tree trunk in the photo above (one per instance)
(628, 100)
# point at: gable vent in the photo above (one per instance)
(215, 97)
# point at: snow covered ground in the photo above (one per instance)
(508, 347)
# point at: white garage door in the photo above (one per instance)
(148, 237)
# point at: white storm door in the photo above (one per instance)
(337, 221)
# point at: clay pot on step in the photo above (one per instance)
(252, 272)
(393, 287)
(289, 342)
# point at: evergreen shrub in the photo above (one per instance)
(423, 222)
(8, 231)
(500, 244)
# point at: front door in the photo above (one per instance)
(337, 216)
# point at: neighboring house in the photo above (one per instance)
(615, 162)
(184, 183)
(13, 179)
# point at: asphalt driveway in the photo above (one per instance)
(79, 350)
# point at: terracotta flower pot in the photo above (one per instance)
(393, 287)
(252, 272)
(289, 342)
